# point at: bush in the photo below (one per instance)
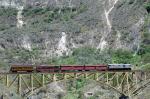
(121, 56)
(146, 66)
(82, 56)
(21, 55)
(50, 14)
(146, 58)
(3, 64)
(147, 7)
(144, 49)
(80, 83)
(146, 38)
(8, 12)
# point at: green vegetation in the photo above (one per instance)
(80, 83)
(146, 66)
(50, 14)
(145, 54)
(121, 56)
(75, 88)
(8, 12)
(21, 56)
(3, 27)
(3, 64)
(144, 51)
(6, 16)
(147, 7)
(87, 55)
(84, 55)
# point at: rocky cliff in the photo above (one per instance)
(48, 28)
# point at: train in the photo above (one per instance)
(68, 68)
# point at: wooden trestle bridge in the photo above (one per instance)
(130, 83)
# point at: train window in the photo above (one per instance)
(56, 66)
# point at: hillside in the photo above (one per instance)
(41, 31)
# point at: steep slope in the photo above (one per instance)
(8, 93)
(35, 30)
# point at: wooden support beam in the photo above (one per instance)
(145, 76)
(117, 79)
(31, 83)
(128, 85)
(85, 75)
(75, 75)
(54, 77)
(122, 84)
(107, 78)
(65, 76)
(19, 84)
(96, 76)
(7, 80)
(43, 80)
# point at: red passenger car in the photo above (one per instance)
(70, 68)
(48, 68)
(74, 68)
(95, 67)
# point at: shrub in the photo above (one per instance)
(50, 14)
(147, 7)
(121, 56)
(144, 49)
(146, 58)
(84, 55)
(8, 12)
(146, 66)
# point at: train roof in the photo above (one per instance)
(47, 65)
(21, 65)
(86, 65)
(119, 64)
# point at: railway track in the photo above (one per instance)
(114, 71)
